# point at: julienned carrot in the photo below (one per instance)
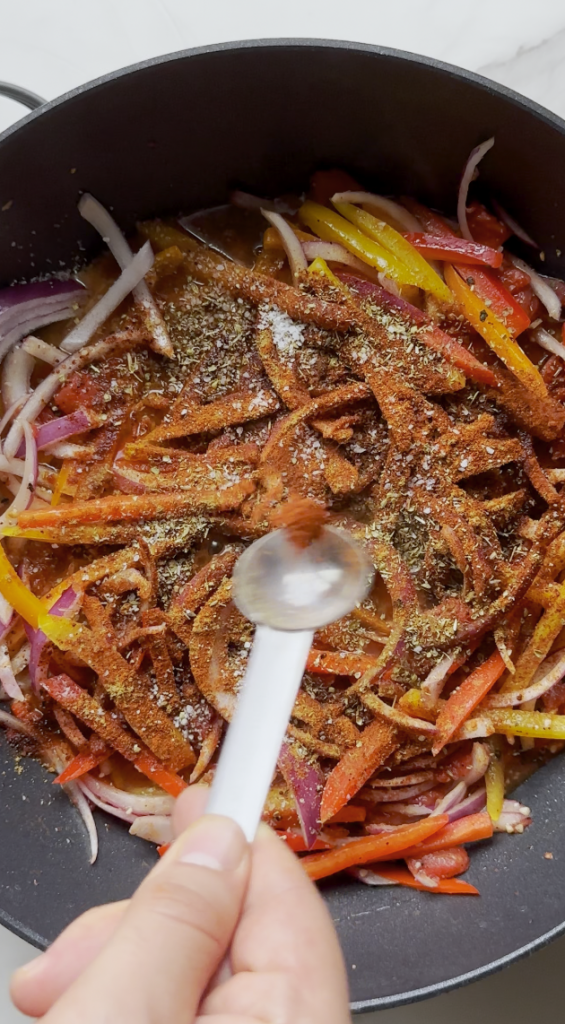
(465, 698)
(295, 842)
(466, 830)
(368, 848)
(154, 770)
(73, 698)
(340, 663)
(377, 742)
(447, 886)
(84, 762)
(112, 507)
(348, 814)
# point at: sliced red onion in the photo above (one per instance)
(20, 661)
(306, 781)
(369, 877)
(155, 828)
(410, 810)
(375, 828)
(546, 340)
(68, 450)
(450, 799)
(44, 392)
(475, 729)
(332, 251)
(399, 781)
(135, 271)
(65, 605)
(514, 817)
(6, 613)
(512, 224)
(292, 246)
(388, 207)
(132, 803)
(11, 722)
(386, 796)
(77, 797)
(472, 804)
(7, 677)
(104, 223)
(62, 427)
(109, 808)
(388, 284)
(16, 376)
(550, 672)
(541, 288)
(473, 161)
(39, 349)
(435, 680)
(28, 483)
(25, 307)
(479, 764)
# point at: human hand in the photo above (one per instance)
(155, 959)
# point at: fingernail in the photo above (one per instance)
(214, 842)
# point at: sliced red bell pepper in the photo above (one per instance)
(447, 886)
(368, 848)
(154, 770)
(488, 286)
(84, 762)
(351, 813)
(451, 248)
(465, 698)
(161, 850)
(324, 184)
(485, 227)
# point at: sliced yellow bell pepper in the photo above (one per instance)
(423, 274)
(319, 266)
(60, 482)
(495, 334)
(30, 607)
(272, 238)
(537, 724)
(332, 228)
(494, 781)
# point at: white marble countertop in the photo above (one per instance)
(50, 47)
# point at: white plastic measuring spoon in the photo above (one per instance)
(288, 592)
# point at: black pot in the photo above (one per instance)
(174, 134)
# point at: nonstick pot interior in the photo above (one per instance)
(174, 135)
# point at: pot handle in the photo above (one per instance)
(14, 92)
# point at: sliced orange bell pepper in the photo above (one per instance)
(495, 334)
(339, 663)
(446, 886)
(368, 848)
(348, 814)
(60, 483)
(402, 248)
(546, 630)
(376, 743)
(329, 226)
(465, 698)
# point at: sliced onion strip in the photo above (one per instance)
(135, 271)
(41, 350)
(545, 293)
(473, 161)
(104, 223)
(515, 228)
(7, 677)
(435, 680)
(546, 340)
(291, 243)
(28, 483)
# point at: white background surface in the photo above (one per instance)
(50, 46)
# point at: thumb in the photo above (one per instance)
(173, 935)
